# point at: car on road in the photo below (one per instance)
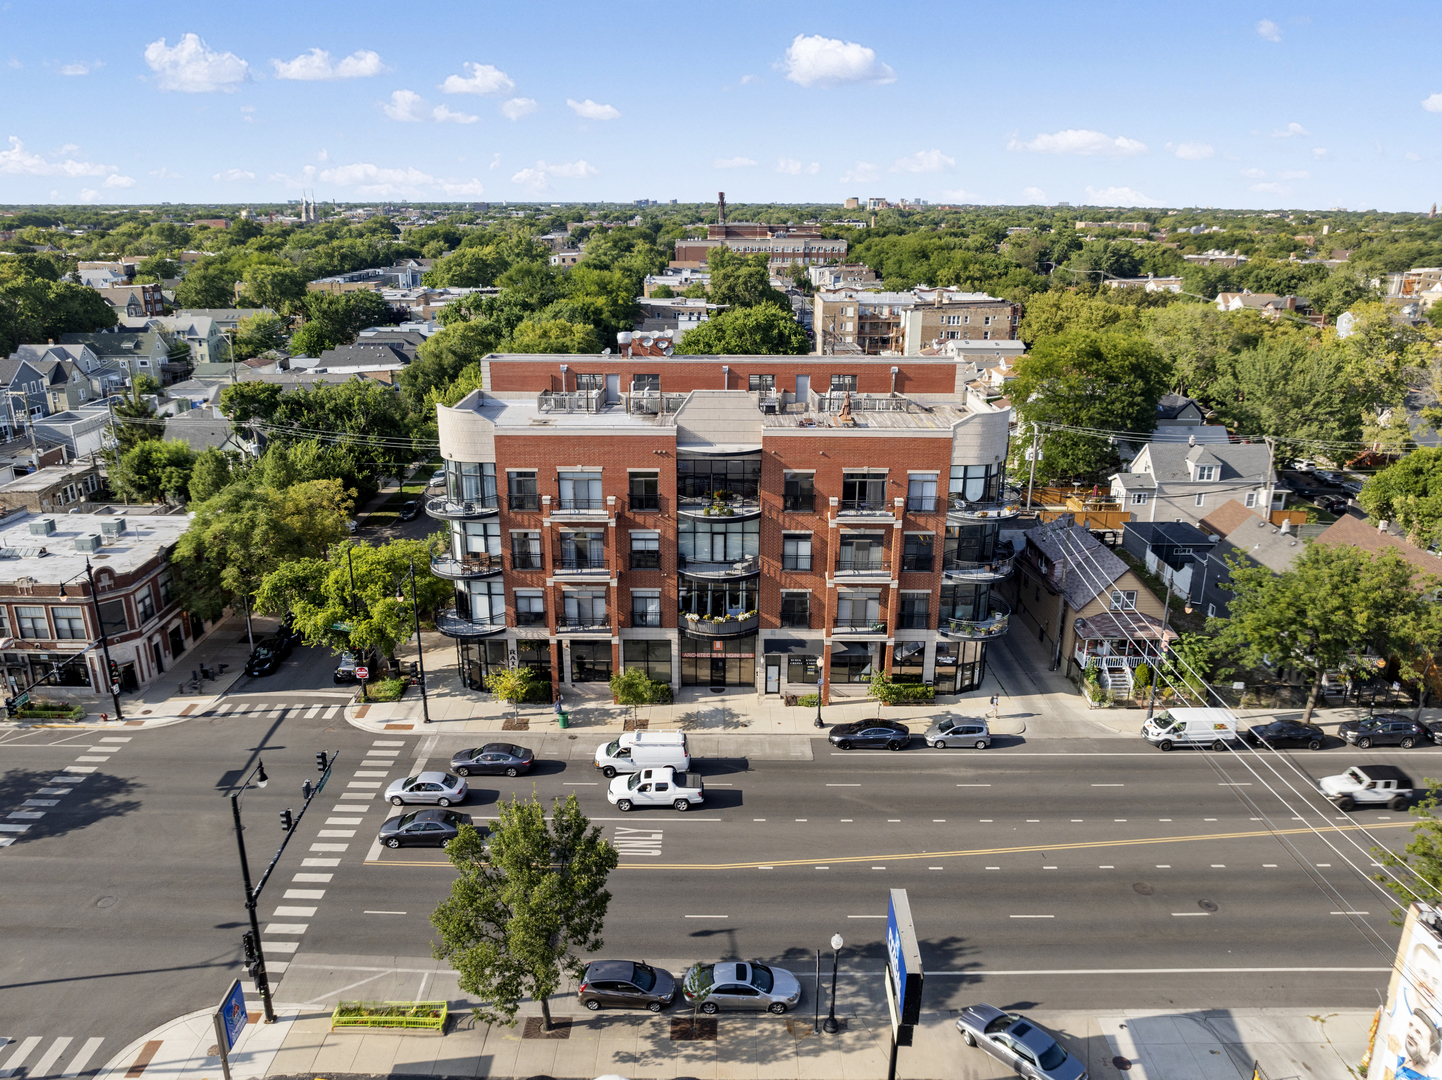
(1352, 487)
(626, 984)
(494, 759)
(1384, 729)
(874, 733)
(352, 524)
(1369, 785)
(713, 987)
(287, 630)
(264, 659)
(345, 670)
(409, 511)
(1302, 465)
(1333, 504)
(1018, 1043)
(440, 788)
(1286, 733)
(1326, 476)
(663, 786)
(422, 828)
(964, 732)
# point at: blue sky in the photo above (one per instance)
(1234, 105)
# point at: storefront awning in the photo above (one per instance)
(786, 646)
(851, 648)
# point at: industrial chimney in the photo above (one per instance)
(721, 208)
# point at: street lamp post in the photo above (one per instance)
(104, 643)
(420, 658)
(262, 984)
(831, 1027)
(1161, 648)
(818, 700)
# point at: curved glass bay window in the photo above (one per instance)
(975, 484)
(717, 598)
(701, 476)
(716, 545)
(471, 482)
(971, 544)
(963, 600)
(482, 601)
(476, 542)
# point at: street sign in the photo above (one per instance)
(903, 961)
(233, 1014)
(20, 699)
(362, 673)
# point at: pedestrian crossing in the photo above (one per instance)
(36, 1057)
(303, 710)
(19, 821)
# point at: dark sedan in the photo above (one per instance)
(266, 657)
(493, 759)
(410, 511)
(1333, 504)
(1287, 733)
(873, 733)
(626, 984)
(423, 827)
(1386, 729)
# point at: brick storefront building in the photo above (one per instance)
(730, 521)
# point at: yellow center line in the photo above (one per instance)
(1254, 834)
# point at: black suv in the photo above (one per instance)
(873, 733)
(267, 655)
(1287, 733)
(1386, 729)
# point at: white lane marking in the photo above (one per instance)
(843, 785)
(295, 912)
(40, 802)
(758, 819)
(384, 913)
(985, 820)
(1108, 785)
(331, 711)
(1108, 866)
(943, 868)
(319, 879)
(1119, 819)
(27, 815)
(305, 894)
(586, 783)
(1048, 867)
(337, 833)
(893, 820)
(1169, 819)
(46, 1063)
(1326, 864)
(801, 819)
(329, 847)
(637, 841)
(1273, 866)
(705, 916)
(1032, 916)
(14, 828)
(377, 763)
(846, 819)
(55, 791)
(93, 757)
(1234, 783)
(388, 742)
(287, 928)
(765, 868)
(1078, 819)
(1189, 914)
(68, 779)
(993, 868)
(312, 711)
(17, 1059)
(343, 821)
(936, 819)
(1161, 971)
(116, 738)
(369, 774)
(1164, 866)
(866, 916)
(79, 768)
(82, 1059)
(280, 946)
(1351, 913)
(320, 862)
(1033, 819)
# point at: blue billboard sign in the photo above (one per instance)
(903, 958)
(233, 1015)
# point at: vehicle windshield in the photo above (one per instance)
(1051, 1057)
(451, 780)
(612, 747)
(762, 979)
(410, 780)
(644, 977)
(635, 779)
(945, 726)
(1355, 776)
(408, 818)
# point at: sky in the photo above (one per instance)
(1236, 105)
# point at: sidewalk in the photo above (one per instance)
(185, 1049)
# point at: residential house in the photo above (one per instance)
(367, 355)
(226, 320)
(1151, 283)
(25, 386)
(405, 342)
(74, 374)
(677, 280)
(119, 271)
(201, 430)
(51, 488)
(1087, 606)
(1245, 535)
(783, 245)
(207, 341)
(80, 432)
(836, 277)
(1176, 551)
(1170, 480)
(902, 323)
(1348, 529)
(566, 258)
(142, 352)
(132, 301)
(1175, 410)
(1271, 305)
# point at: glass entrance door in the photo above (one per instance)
(718, 671)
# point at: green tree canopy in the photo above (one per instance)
(135, 421)
(258, 333)
(552, 336)
(244, 402)
(212, 470)
(1408, 494)
(280, 288)
(521, 914)
(35, 308)
(209, 283)
(154, 470)
(766, 329)
(742, 280)
(1108, 381)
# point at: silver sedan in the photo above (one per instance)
(754, 987)
(1018, 1043)
(439, 788)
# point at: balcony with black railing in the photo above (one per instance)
(471, 565)
(725, 626)
(530, 618)
(581, 564)
(994, 625)
(923, 504)
(468, 628)
(862, 567)
(732, 508)
(584, 624)
(859, 626)
(578, 507)
(917, 564)
(798, 504)
(525, 501)
(748, 567)
(527, 560)
(1006, 504)
(644, 504)
(996, 569)
(793, 621)
(645, 618)
(867, 508)
(443, 506)
(914, 620)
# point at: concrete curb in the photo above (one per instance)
(182, 1049)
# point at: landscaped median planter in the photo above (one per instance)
(390, 1014)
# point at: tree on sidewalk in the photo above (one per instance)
(519, 913)
(513, 685)
(635, 688)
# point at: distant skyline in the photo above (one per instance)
(1259, 106)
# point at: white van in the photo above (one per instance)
(1191, 727)
(644, 750)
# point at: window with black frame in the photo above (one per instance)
(521, 487)
(802, 669)
(917, 551)
(652, 657)
(526, 551)
(645, 491)
(908, 662)
(799, 493)
(590, 661)
(975, 484)
(534, 654)
(796, 551)
(852, 668)
(963, 601)
(471, 482)
(971, 545)
(530, 608)
(915, 611)
(704, 477)
(585, 610)
(645, 608)
(863, 491)
(796, 609)
(645, 551)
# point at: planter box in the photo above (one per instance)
(730, 628)
(424, 1015)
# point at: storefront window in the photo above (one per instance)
(858, 667)
(802, 669)
(590, 661)
(908, 661)
(718, 661)
(652, 657)
(536, 655)
(482, 658)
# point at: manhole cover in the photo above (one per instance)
(1206, 905)
(106, 901)
(1121, 1063)
(1143, 889)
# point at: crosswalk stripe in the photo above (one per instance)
(17, 1059)
(82, 1059)
(310, 713)
(222, 710)
(331, 711)
(46, 1063)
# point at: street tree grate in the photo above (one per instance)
(700, 1029)
(516, 723)
(535, 1029)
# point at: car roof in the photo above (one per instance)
(500, 748)
(1385, 772)
(1034, 1038)
(611, 969)
(436, 814)
(432, 777)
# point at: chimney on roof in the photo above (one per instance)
(1287, 527)
(1191, 440)
(1382, 525)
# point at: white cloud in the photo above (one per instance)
(443, 115)
(1319, 151)
(407, 106)
(518, 107)
(495, 159)
(1291, 129)
(1118, 196)
(373, 181)
(733, 163)
(538, 178)
(88, 194)
(792, 167)
(1411, 156)
(1034, 194)
(1254, 174)
(1080, 141)
(1294, 174)
(192, 67)
(747, 80)
(1269, 30)
(17, 161)
(317, 65)
(81, 68)
(863, 172)
(116, 180)
(234, 175)
(1191, 151)
(593, 110)
(478, 79)
(322, 154)
(1433, 103)
(824, 61)
(1272, 188)
(924, 161)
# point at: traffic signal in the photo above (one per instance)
(287, 821)
(322, 761)
(114, 672)
(305, 790)
(247, 944)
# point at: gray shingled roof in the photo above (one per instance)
(1237, 460)
(1091, 567)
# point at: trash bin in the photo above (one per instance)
(563, 719)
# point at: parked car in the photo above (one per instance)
(1327, 477)
(264, 659)
(662, 786)
(1352, 487)
(410, 510)
(1017, 1043)
(713, 987)
(440, 788)
(438, 477)
(352, 524)
(1303, 465)
(1333, 504)
(1369, 785)
(1287, 733)
(345, 670)
(287, 630)
(423, 827)
(493, 758)
(966, 732)
(873, 733)
(1384, 729)
(626, 984)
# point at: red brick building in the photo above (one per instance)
(733, 521)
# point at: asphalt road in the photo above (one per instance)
(1063, 873)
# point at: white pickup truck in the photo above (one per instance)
(661, 786)
(1369, 785)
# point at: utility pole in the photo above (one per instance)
(1271, 471)
(104, 644)
(1035, 450)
